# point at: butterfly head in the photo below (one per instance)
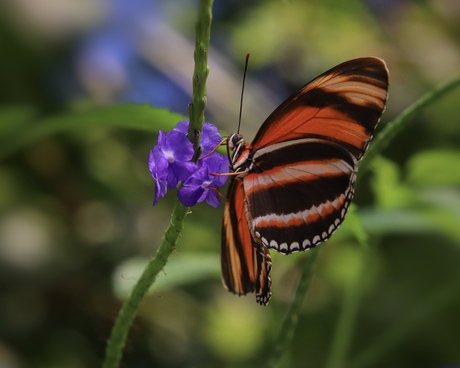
(235, 141)
(239, 153)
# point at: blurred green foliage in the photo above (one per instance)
(77, 226)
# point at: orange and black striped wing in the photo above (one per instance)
(343, 105)
(305, 155)
(298, 193)
(245, 263)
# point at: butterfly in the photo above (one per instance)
(291, 187)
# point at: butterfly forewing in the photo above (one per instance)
(245, 264)
(297, 177)
(343, 105)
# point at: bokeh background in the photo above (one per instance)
(77, 224)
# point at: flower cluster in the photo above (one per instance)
(170, 163)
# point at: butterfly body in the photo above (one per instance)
(241, 158)
(296, 179)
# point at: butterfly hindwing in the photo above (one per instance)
(299, 192)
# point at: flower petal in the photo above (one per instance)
(182, 126)
(183, 170)
(217, 163)
(194, 188)
(189, 195)
(177, 147)
(160, 169)
(160, 190)
(210, 137)
(170, 162)
(212, 198)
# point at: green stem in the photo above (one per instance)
(129, 309)
(391, 130)
(200, 73)
(287, 330)
(397, 332)
(343, 335)
(344, 331)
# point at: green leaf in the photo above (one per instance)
(181, 270)
(388, 188)
(391, 129)
(437, 211)
(386, 341)
(140, 117)
(434, 168)
(445, 210)
(14, 117)
(354, 223)
(379, 222)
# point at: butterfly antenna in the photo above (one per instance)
(242, 90)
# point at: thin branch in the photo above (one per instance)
(117, 340)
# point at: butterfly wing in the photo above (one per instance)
(301, 171)
(342, 105)
(304, 157)
(299, 192)
(245, 264)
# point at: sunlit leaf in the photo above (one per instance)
(14, 117)
(140, 117)
(181, 270)
(436, 167)
(396, 221)
(389, 190)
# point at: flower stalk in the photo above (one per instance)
(117, 340)
(200, 74)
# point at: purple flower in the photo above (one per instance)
(170, 163)
(210, 136)
(202, 185)
(158, 169)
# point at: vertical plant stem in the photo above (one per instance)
(347, 318)
(345, 326)
(287, 330)
(396, 333)
(200, 73)
(344, 332)
(391, 130)
(117, 340)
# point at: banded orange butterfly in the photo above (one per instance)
(293, 184)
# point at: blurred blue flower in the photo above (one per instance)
(387, 10)
(170, 163)
(111, 64)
